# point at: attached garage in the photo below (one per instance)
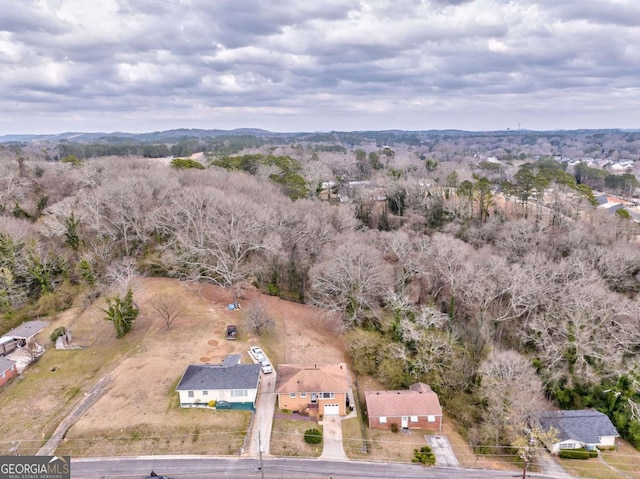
(331, 409)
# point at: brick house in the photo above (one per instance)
(317, 389)
(415, 408)
(8, 370)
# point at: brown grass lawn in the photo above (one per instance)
(287, 438)
(625, 458)
(620, 464)
(138, 413)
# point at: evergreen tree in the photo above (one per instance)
(122, 312)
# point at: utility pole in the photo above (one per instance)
(260, 453)
(526, 457)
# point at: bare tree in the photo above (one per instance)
(214, 236)
(168, 308)
(352, 280)
(512, 391)
(258, 318)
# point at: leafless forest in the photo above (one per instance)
(478, 263)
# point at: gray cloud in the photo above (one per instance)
(338, 64)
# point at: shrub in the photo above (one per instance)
(574, 454)
(312, 436)
(56, 333)
(394, 427)
(424, 456)
(212, 403)
(593, 453)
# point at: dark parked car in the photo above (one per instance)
(232, 331)
(153, 475)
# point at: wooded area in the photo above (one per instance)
(477, 264)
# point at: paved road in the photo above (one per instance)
(194, 467)
(332, 449)
(263, 417)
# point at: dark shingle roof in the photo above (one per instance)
(211, 377)
(231, 360)
(583, 425)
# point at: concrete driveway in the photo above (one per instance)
(443, 451)
(263, 417)
(332, 439)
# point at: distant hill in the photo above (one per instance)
(145, 137)
(353, 137)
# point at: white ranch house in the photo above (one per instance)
(231, 382)
(584, 428)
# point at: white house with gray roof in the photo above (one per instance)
(584, 428)
(236, 385)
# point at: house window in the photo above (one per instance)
(190, 394)
(239, 393)
(328, 395)
(431, 419)
(414, 418)
(292, 395)
(303, 395)
(383, 419)
(567, 445)
(205, 393)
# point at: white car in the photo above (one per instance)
(266, 367)
(257, 353)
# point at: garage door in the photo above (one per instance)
(331, 409)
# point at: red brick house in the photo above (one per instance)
(415, 408)
(315, 389)
(8, 370)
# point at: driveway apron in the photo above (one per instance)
(332, 439)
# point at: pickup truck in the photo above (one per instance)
(7, 345)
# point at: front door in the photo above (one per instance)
(405, 422)
(314, 398)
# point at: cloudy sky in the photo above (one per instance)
(303, 65)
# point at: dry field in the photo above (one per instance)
(138, 414)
